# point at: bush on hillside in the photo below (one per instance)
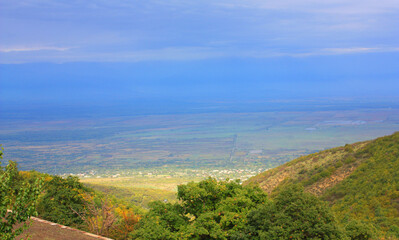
(358, 230)
(294, 214)
(207, 210)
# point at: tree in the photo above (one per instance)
(126, 224)
(99, 215)
(294, 214)
(17, 200)
(163, 221)
(207, 210)
(67, 201)
(62, 200)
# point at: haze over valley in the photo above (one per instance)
(107, 145)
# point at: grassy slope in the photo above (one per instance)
(360, 180)
(136, 196)
(140, 190)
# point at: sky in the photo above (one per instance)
(92, 50)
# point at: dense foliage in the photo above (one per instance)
(294, 214)
(207, 210)
(69, 202)
(371, 193)
(360, 181)
(62, 201)
(227, 210)
(17, 200)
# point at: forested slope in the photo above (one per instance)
(360, 180)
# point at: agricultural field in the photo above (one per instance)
(103, 147)
(142, 187)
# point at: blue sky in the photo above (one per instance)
(120, 48)
(131, 31)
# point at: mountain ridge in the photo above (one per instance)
(359, 180)
(311, 165)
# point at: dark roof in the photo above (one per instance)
(42, 229)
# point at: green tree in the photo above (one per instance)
(207, 210)
(163, 221)
(62, 201)
(294, 214)
(17, 200)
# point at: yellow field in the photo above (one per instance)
(160, 182)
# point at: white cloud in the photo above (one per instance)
(319, 52)
(325, 6)
(351, 50)
(161, 54)
(134, 30)
(30, 49)
(178, 54)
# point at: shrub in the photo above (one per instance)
(294, 214)
(358, 230)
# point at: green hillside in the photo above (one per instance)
(137, 196)
(360, 180)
